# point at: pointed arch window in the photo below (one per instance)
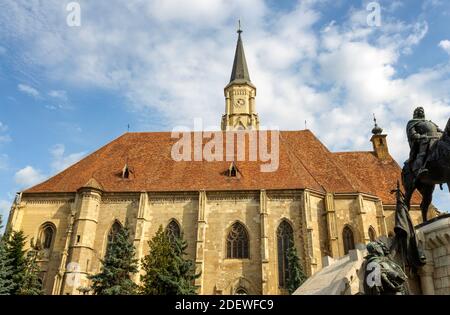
(173, 230)
(285, 240)
(349, 240)
(238, 242)
(241, 291)
(47, 236)
(372, 234)
(113, 231)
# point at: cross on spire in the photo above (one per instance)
(239, 31)
(376, 130)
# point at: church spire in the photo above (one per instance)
(240, 94)
(240, 73)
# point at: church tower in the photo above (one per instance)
(240, 95)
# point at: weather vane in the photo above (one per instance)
(239, 27)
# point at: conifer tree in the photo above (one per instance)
(15, 253)
(167, 271)
(117, 268)
(296, 274)
(5, 267)
(32, 285)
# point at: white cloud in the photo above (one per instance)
(445, 45)
(60, 161)
(175, 58)
(28, 90)
(28, 177)
(58, 94)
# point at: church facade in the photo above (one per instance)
(237, 220)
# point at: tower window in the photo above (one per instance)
(349, 241)
(285, 240)
(237, 242)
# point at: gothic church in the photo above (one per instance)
(236, 219)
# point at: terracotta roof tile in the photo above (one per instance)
(380, 177)
(304, 162)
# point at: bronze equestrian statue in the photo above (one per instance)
(429, 160)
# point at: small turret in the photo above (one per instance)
(379, 142)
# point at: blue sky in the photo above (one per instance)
(66, 91)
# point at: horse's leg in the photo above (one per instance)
(427, 197)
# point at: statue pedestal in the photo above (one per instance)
(434, 238)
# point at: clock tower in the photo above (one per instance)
(240, 95)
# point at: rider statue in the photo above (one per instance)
(421, 136)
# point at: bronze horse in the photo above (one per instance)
(438, 165)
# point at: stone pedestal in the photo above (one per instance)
(434, 238)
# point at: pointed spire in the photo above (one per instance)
(240, 71)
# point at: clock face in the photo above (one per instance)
(240, 103)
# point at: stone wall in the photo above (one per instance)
(434, 238)
(83, 221)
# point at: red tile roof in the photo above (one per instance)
(304, 162)
(380, 177)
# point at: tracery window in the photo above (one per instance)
(47, 235)
(237, 242)
(349, 240)
(173, 230)
(285, 240)
(113, 231)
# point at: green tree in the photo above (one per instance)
(5, 267)
(16, 255)
(24, 268)
(167, 271)
(32, 285)
(117, 268)
(296, 274)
